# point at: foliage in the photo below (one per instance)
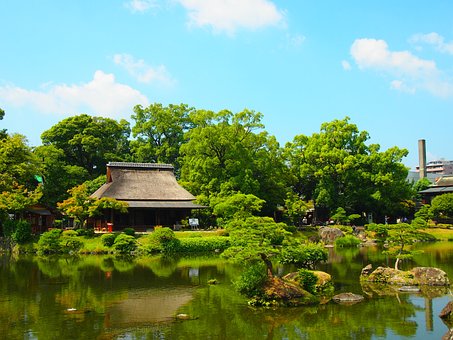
(203, 244)
(230, 153)
(89, 142)
(296, 208)
(70, 241)
(235, 206)
(424, 213)
(80, 205)
(23, 233)
(347, 241)
(108, 239)
(129, 231)
(336, 168)
(18, 198)
(159, 133)
(442, 206)
(308, 280)
(255, 239)
(381, 231)
(251, 281)
(401, 235)
(306, 255)
(125, 244)
(340, 216)
(49, 242)
(421, 184)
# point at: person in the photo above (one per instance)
(386, 218)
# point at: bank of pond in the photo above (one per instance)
(177, 297)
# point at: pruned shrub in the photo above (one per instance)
(108, 239)
(129, 231)
(348, 241)
(304, 255)
(125, 244)
(252, 280)
(49, 242)
(203, 244)
(307, 280)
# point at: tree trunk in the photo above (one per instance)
(268, 265)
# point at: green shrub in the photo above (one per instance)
(304, 255)
(307, 280)
(163, 234)
(381, 231)
(69, 233)
(203, 244)
(49, 242)
(88, 232)
(346, 229)
(348, 241)
(129, 231)
(70, 244)
(125, 244)
(252, 280)
(22, 233)
(108, 239)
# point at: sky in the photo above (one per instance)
(388, 65)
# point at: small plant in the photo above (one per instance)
(252, 280)
(129, 231)
(125, 244)
(348, 241)
(308, 280)
(49, 242)
(108, 239)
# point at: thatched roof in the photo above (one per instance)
(145, 185)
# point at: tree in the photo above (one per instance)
(340, 216)
(224, 153)
(297, 208)
(58, 176)
(159, 133)
(3, 133)
(90, 142)
(236, 206)
(442, 206)
(80, 205)
(336, 168)
(399, 236)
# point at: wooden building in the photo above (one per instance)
(442, 185)
(154, 196)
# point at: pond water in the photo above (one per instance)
(104, 297)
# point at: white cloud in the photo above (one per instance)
(346, 65)
(140, 5)
(295, 40)
(230, 15)
(142, 72)
(413, 73)
(101, 96)
(433, 39)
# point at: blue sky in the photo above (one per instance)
(386, 64)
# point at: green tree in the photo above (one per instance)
(336, 168)
(236, 206)
(3, 133)
(80, 205)
(230, 152)
(297, 208)
(159, 132)
(90, 142)
(442, 206)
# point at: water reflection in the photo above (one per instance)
(106, 297)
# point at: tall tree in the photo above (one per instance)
(90, 142)
(229, 153)
(159, 132)
(336, 168)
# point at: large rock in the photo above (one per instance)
(324, 280)
(347, 298)
(415, 277)
(329, 235)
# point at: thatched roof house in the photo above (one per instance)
(442, 185)
(152, 192)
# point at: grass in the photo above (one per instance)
(440, 234)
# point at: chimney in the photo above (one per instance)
(422, 157)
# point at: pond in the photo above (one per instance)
(105, 297)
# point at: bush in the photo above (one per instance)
(252, 280)
(125, 244)
(69, 233)
(347, 241)
(108, 239)
(129, 231)
(203, 244)
(381, 231)
(49, 242)
(85, 232)
(308, 280)
(22, 233)
(163, 234)
(304, 255)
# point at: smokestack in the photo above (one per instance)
(422, 157)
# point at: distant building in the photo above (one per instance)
(154, 196)
(443, 185)
(440, 167)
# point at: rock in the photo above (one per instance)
(366, 271)
(347, 298)
(329, 235)
(285, 292)
(415, 277)
(409, 289)
(430, 276)
(323, 278)
(445, 313)
(182, 316)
